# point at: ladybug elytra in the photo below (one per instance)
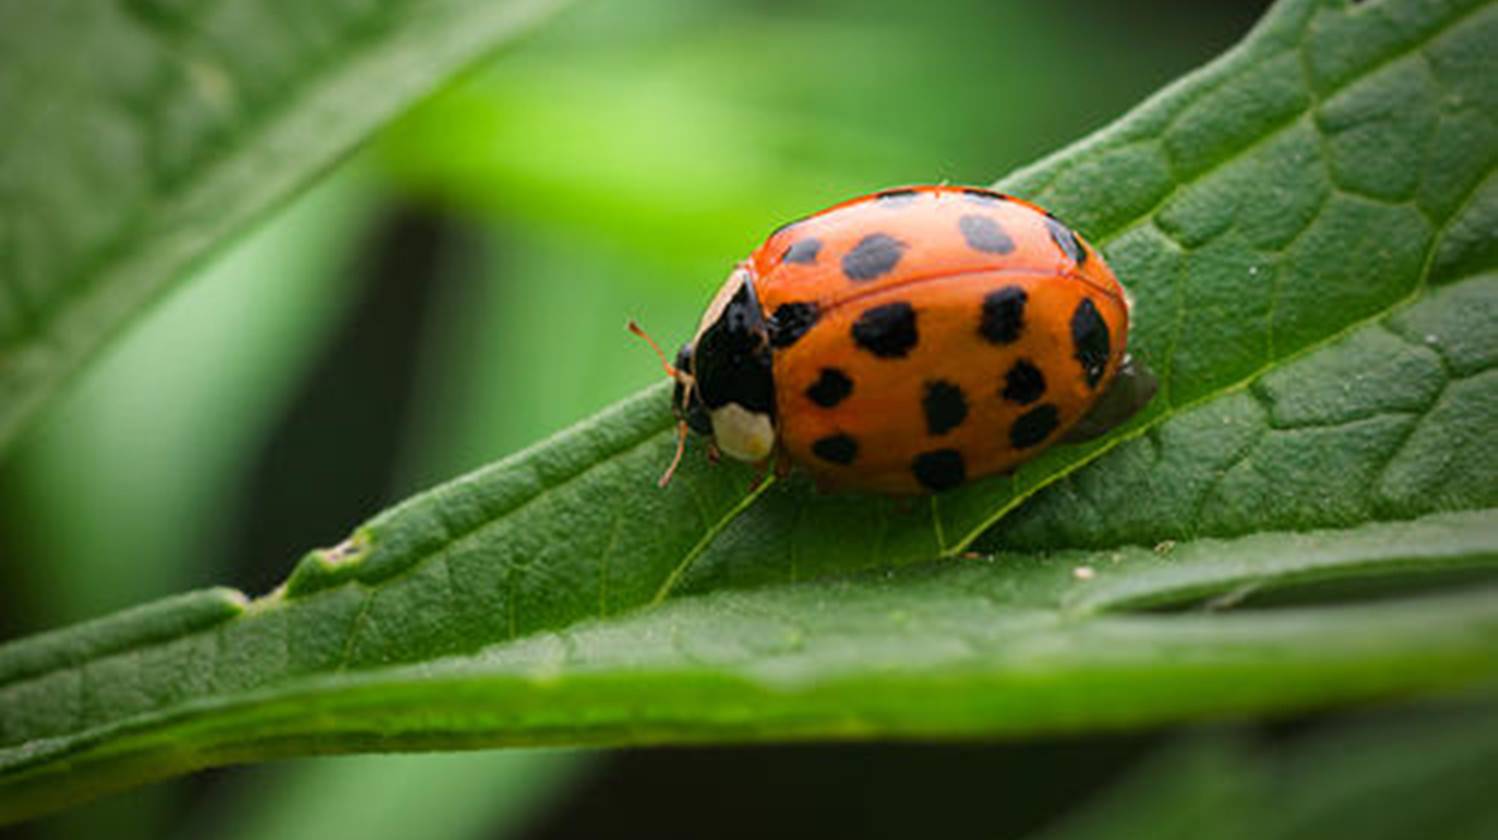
(909, 341)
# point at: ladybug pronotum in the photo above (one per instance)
(910, 341)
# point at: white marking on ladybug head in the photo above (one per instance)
(742, 434)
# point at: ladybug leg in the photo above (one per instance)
(761, 472)
(782, 464)
(782, 468)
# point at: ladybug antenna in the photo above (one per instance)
(681, 446)
(670, 368)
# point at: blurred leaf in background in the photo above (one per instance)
(128, 489)
(434, 797)
(1415, 772)
(141, 135)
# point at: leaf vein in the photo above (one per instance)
(707, 539)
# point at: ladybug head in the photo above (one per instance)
(725, 386)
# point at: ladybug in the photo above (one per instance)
(909, 341)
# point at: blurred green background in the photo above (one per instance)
(459, 289)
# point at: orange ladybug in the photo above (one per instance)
(910, 341)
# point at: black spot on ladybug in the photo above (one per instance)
(887, 331)
(1024, 383)
(1003, 315)
(803, 252)
(983, 196)
(790, 322)
(939, 469)
(874, 256)
(945, 406)
(836, 449)
(1034, 426)
(1066, 239)
(1089, 334)
(898, 196)
(831, 388)
(984, 234)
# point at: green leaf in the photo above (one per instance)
(141, 135)
(1018, 644)
(1320, 315)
